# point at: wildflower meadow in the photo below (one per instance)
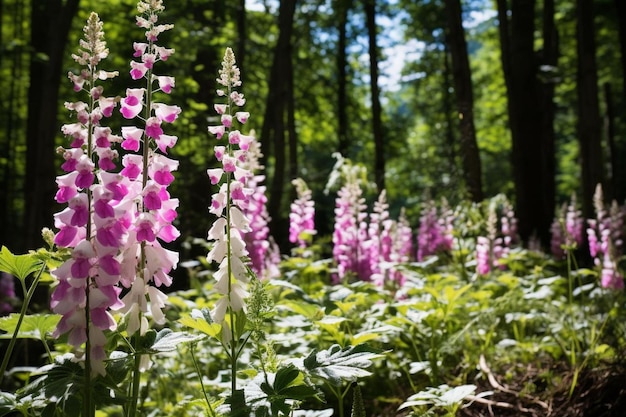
(447, 314)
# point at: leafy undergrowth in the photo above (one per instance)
(529, 339)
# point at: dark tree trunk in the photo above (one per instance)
(447, 111)
(620, 6)
(292, 134)
(613, 191)
(377, 124)
(549, 57)
(273, 130)
(589, 122)
(343, 146)
(520, 71)
(619, 173)
(50, 24)
(462, 78)
(13, 124)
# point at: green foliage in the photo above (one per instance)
(20, 266)
(33, 326)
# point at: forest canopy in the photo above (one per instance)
(450, 99)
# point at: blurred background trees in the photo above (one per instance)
(461, 99)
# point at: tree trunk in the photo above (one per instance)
(613, 191)
(462, 78)
(50, 24)
(550, 54)
(273, 130)
(12, 120)
(519, 64)
(342, 7)
(446, 107)
(589, 122)
(377, 124)
(292, 134)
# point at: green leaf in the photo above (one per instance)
(21, 266)
(274, 391)
(8, 403)
(336, 365)
(34, 326)
(201, 320)
(168, 341)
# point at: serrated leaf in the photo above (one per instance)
(201, 320)
(34, 326)
(168, 341)
(336, 365)
(20, 266)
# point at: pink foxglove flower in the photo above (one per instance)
(150, 209)
(302, 216)
(435, 234)
(7, 293)
(567, 230)
(606, 240)
(262, 250)
(86, 288)
(231, 204)
(350, 242)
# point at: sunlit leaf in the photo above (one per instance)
(20, 266)
(201, 321)
(168, 341)
(33, 326)
(337, 365)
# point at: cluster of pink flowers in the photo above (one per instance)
(147, 264)
(90, 226)
(7, 293)
(350, 232)
(491, 249)
(567, 230)
(369, 251)
(114, 222)
(302, 215)
(435, 231)
(262, 250)
(605, 237)
(390, 244)
(232, 200)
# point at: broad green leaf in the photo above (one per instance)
(336, 365)
(201, 320)
(34, 326)
(21, 266)
(168, 341)
(308, 310)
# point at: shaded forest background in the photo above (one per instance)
(437, 98)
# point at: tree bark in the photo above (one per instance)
(343, 146)
(613, 191)
(50, 24)
(462, 78)
(589, 121)
(273, 130)
(519, 63)
(549, 57)
(377, 124)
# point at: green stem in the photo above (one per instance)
(134, 397)
(197, 366)
(28, 297)
(136, 381)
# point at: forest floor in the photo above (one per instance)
(598, 392)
